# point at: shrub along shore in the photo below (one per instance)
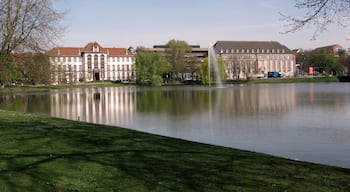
(40, 153)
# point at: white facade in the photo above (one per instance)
(92, 63)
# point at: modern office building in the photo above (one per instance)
(254, 59)
(92, 63)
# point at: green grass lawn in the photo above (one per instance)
(47, 154)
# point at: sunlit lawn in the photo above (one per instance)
(46, 154)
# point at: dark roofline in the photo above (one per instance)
(164, 46)
(219, 45)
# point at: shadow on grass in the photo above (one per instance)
(44, 154)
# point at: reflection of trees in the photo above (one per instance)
(231, 101)
(172, 101)
(37, 103)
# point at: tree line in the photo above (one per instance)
(323, 63)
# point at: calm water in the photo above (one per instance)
(309, 122)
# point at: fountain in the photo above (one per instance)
(212, 61)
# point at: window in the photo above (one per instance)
(102, 61)
(96, 59)
(89, 61)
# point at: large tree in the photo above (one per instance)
(28, 25)
(176, 51)
(319, 13)
(150, 67)
(33, 68)
(325, 63)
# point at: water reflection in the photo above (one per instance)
(303, 121)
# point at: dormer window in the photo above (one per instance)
(95, 48)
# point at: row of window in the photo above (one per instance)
(271, 66)
(109, 67)
(96, 58)
(252, 51)
(262, 57)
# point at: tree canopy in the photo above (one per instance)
(325, 63)
(150, 66)
(175, 55)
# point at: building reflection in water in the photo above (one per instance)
(256, 100)
(114, 106)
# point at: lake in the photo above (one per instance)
(306, 121)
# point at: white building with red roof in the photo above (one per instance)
(92, 63)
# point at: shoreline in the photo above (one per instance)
(112, 84)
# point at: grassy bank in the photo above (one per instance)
(62, 86)
(48, 154)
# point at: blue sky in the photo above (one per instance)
(123, 23)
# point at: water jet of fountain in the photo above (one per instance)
(212, 61)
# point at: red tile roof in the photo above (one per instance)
(65, 51)
(76, 51)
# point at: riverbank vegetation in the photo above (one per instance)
(48, 154)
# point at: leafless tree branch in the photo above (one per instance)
(319, 13)
(29, 25)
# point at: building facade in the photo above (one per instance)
(92, 63)
(335, 50)
(254, 59)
